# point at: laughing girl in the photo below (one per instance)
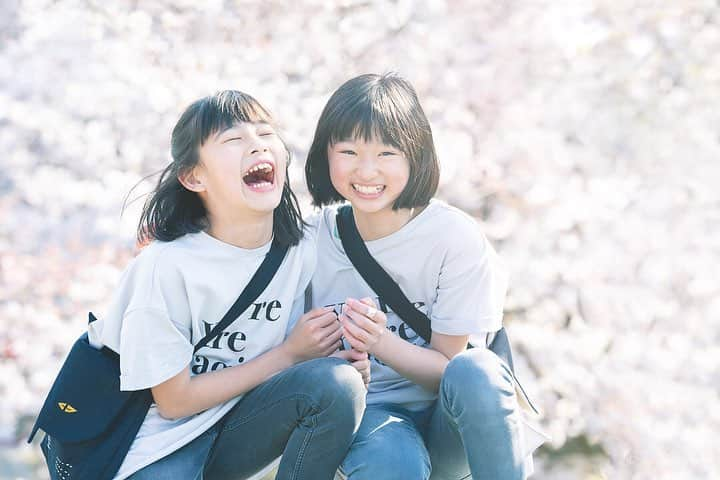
(245, 396)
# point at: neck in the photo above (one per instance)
(376, 225)
(250, 231)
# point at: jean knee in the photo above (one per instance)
(386, 462)
(337, 386)
(477, 379)
(409, 468)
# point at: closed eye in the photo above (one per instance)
(266, 134)
(233, 138)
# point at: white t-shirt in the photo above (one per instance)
(169, 297)
(444, 265)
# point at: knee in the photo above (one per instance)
(337, 385)
(477, 379)
(415, 468)
(389, 463)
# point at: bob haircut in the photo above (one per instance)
(375, 107)
(172, 211)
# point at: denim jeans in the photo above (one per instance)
(307, 413)
(472, 430)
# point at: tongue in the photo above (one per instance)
(257, 177)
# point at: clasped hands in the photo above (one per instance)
(319, 333)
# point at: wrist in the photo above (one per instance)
(286, 354)
(381, 345)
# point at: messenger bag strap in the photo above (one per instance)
(376, 277)
(391, 293)
(257, 284)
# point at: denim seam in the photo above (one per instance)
(445, 402)
(241, 421)
(301, 452)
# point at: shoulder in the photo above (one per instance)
(322, 221)
(159, 261)
(148, 259)
(456, 228)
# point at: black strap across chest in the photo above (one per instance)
(257, 284)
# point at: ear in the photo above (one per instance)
(191, 180)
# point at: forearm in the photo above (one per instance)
(423, 366)
(185, 395)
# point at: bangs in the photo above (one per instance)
(368, 121)
(225, 109)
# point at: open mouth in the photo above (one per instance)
(260, 176)
(368, 189)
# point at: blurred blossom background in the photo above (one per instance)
(582, 135)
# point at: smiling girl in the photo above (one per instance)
(434, 409)
(245, 396)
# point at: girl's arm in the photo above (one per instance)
(316, 334)
(424, 366)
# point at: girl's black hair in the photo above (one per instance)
(172, 211)
(383, 107)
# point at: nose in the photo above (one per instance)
(367, 167)
(258, 149)
(259, 145)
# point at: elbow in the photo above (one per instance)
(169, 412)
(170, 409)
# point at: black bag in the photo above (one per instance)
(391, 293)
(89, 423)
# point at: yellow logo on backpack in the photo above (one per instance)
(66, 407)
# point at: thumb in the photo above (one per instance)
(358, 355)
(344, 354)
(368, 301)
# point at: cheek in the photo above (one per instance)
(338, 173)
(402, 173)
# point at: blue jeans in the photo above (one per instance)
(307, 413)
(473, 429)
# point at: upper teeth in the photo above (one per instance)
(260, 166)
(368, 189)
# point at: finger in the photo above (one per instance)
(313, 314)
(327, 318)
(361, 307)
(317, 312)
(361, 365)
(354, 342)
(365, 323)
(368, 301)
(370, 312)
(332, 348)
(329, 330)
(357, 355)
(365, 306)
(344, 354)
(332, 338)
(356, 331)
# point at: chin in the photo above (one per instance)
(371, 206)
(265, 205)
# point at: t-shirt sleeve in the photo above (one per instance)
(471, 286)
(152, 349)
(154, 344)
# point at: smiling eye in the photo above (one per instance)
(387, 154)
(266, 134)
(347, 152)
(233, 138)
